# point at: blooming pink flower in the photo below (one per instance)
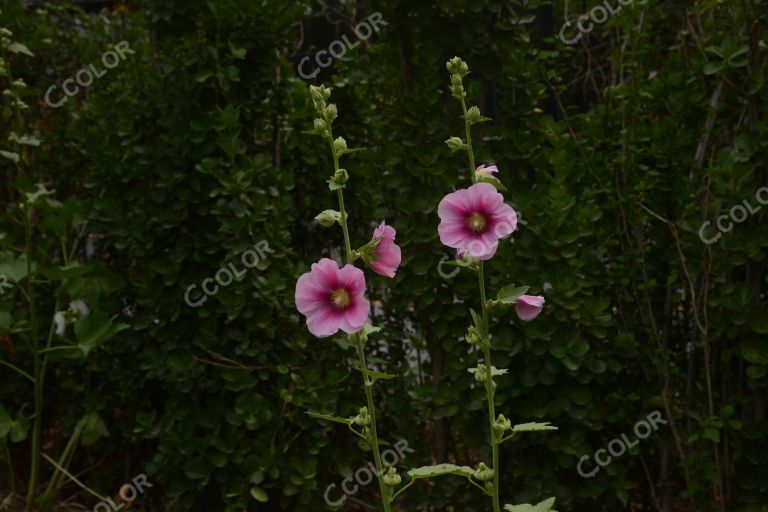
(528, 307)
(474, 219)
(332, 298)
(482, 169)
(387, 251)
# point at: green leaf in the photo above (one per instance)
(93, 429)
(238, 53)
(28, 140)
(259, 494)
(70, 271)
(710, 68)
(494, 371)
(440, 469)
(509, 294)
(334, 185)
(20, 48)
(10, 155)
(376, 375)
(328, 417)
(19, 427)
(6, 423)
(14, 270)
(94, 330)
(544, 506)
(533, 427)
(492, 180)
(475, 317)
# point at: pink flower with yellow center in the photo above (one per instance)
(332, 298)
(474, 219)
(387, 251)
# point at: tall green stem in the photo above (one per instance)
(489, 391)
(38, 370)
(367, 382)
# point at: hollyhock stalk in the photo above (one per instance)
(489, 391)
(356, 339)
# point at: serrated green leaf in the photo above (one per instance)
(20, 48)
(533, 427)
(440, 469)
(544, 506)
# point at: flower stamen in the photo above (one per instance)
(476, 223)
(340, 298)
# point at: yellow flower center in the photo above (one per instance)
(340, 298)
(476, 223)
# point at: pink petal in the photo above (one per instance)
(528, 307)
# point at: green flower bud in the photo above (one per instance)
(481, 375)
(455, 143)
(473, 115)
(483, 472)
(330, 112)
(473, 337)
(320, 125)
(502, 424)
(339, 144)
(19, 84)
(363, 418)
(328, 218)
(316, 93)
(7, 93)
(5, 41)
(457, 66)
(341, 176)
(456, 79)
(391, 478)
(457, 91)
(5, 32)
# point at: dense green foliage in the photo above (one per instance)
(190, 152)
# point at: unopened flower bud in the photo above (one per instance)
(339, 144)
(320, 125)
(483, 472)
(481, 375)
(363, 418)
(455, 143)
(473, 115)
(5, 32)
(457, 91)
(341, 176)
(327, 218)
(456, 79)
(7, 93)
(502, 424)
(391, 478)
(330, 112)
(315, 92)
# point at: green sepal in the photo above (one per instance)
(490, 179)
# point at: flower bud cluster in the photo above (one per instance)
(363, 418)
(483, 472)
(391, 478)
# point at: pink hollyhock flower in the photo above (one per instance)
(387, 251)
(474, 219)
(528, 307)
(488, 171)
(332, 298)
